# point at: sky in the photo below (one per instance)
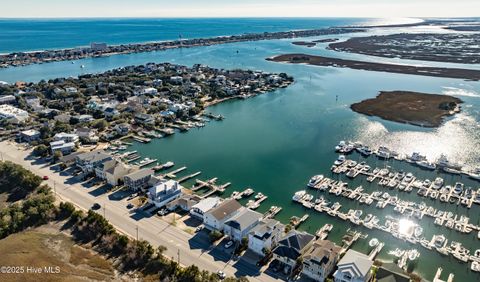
(238, 8)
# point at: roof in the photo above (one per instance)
(263, 229)
(357, 264)
(139, 174)
(207, 204)
(391, 272)
(322, 252)
(93, 156)
(225, 209)
(292, 244)
(30, 132)
(244, 219)
(69, 158)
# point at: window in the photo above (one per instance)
(347, 277)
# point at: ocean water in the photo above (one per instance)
(275, 142)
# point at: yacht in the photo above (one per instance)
(248, 192)
(340, 146)
(475, 174)
(458, 188)
(418, 231)
(259, 195)
(451, 170)
(315, 180)
(340, 160)
(365, 151)
(168, 164)
(416, 157)
(438, 183)
(298, 196)
(445, 163)
(426, 164)
(351, 173)
(413, 254)
(475, 266)
(383, 152)
(439, 241)
(408, 177)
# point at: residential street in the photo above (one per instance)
(188, 249)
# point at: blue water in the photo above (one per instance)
(38, 34)
(275, 142)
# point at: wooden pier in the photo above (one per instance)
(173, 174)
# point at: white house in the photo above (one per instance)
(204, 206)
(320, 260)
(176, 80)
(29, 135)
(239, 225)
(67, 137)
(164, 192)
(7, 99)
(215, 218)
(64, 147)
(353, 267)
(71, 90)
(265, 235)
(13, 114)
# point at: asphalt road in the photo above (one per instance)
(181, 246)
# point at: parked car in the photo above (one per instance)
(228, 244)
(45, 177)
(198, 229)
(129, 206)
(221, 274)
(96, 206)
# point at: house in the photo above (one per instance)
(84, 118)
(215, 218)
(185, 202)
(29, 135)
(176, 80)
(98, 46)
(71, 90)
(113, 171)
(69, 159)
(292, 246)
(265, 235)
(139, 179)
(239, 225)
(164, 192)
(203, 206)
(88, 161)
(62, 146)
(87, 135)
(13, 114)
(7, 99)
(320, 260)
(390, 272)
(122, 128)
(144, 118)
(67, 137)
(353, 267)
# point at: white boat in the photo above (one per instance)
(475, 266)
(438, 183)
(426, 164)
(373, 242)
(315, 180)
(413, 254)
(351, 173)
(168, 164)
(418, 231)
(248, 192)
(416, 157)
(383, 152)
(82, 66)
(340, 160)
(439, 241)
(260, 195)
(298, 196)
(445, 163)
(458, 188)
(408, 177)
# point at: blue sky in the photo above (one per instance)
(239, 8)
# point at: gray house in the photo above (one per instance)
(138, 180)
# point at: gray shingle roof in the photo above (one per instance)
(224, 209)
(139, 174)
(293, 244)
(243, 219)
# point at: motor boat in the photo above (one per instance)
(426, 164)
(315, 180)
(438, 183)
(383, 152)
(408, 177)
(418, 231)
(298, 196)
(340, 160)
(373, 243)
(417, 157)
(458, 188)
(445, 163)
(439, 241)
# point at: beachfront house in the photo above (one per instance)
(67, 137)
(265, 235)
(141, 118)
(353, 267)
(215, 218)
(291, 247)
(198, 210)
(239, 225)
(139, 179)
(113, 171)
(320, 260)
(164, 192)
(29, 135)
(88, 161)
(61, 146)
(185, 202)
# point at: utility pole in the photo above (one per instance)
(137, 232)
(178, 256)
(104, 210)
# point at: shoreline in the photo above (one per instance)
(465, 74)
(70, 54)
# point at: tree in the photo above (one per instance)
(100, 124)
(57, 155)
(41, 150)
(215, 235)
